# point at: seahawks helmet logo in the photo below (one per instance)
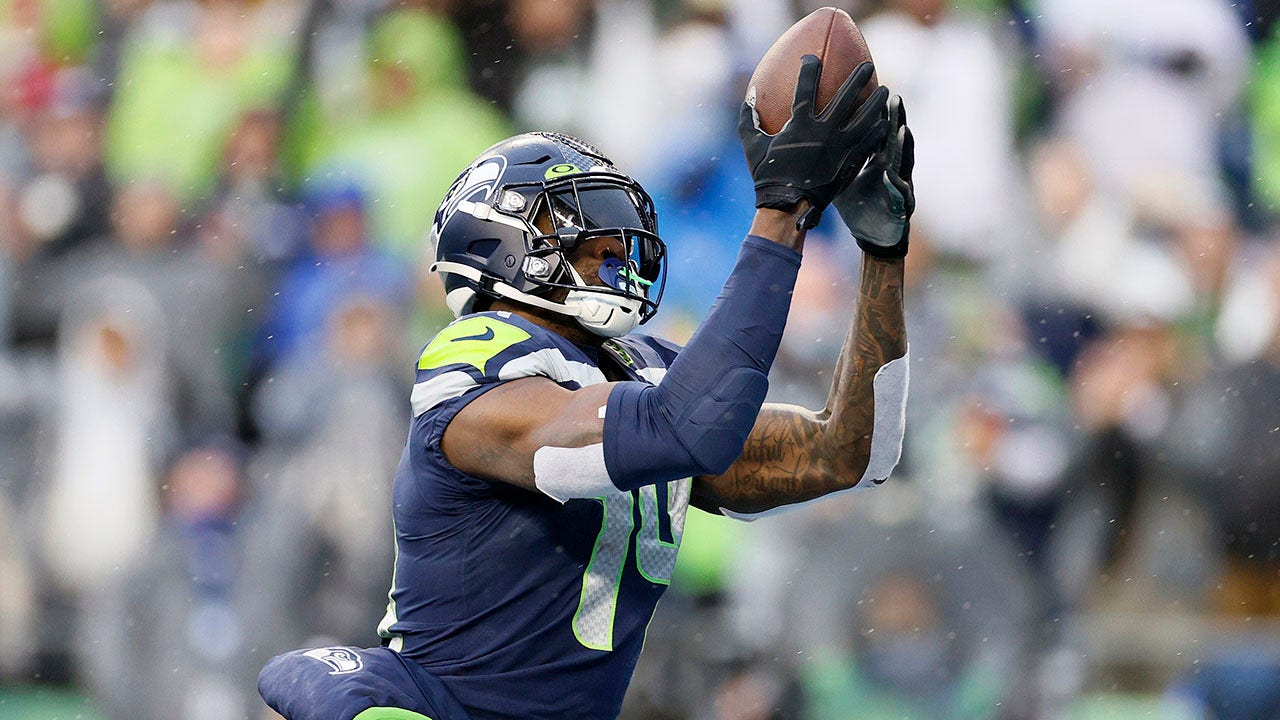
(343, 661)
(476, 186)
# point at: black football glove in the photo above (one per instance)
(813, 157)
(877, 205)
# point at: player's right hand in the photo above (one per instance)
(877, 205)
(814, 156)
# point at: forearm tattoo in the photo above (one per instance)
(793, 454)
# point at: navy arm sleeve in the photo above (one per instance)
(697, 419)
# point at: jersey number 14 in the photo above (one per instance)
(657, 540)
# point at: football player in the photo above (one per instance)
(553, 452)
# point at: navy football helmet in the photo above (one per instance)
(504, 227)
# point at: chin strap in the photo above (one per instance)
(596, 312)
(605, 315)
(503, 289)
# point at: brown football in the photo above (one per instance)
(826, 32)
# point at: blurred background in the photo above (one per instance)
(213, 286)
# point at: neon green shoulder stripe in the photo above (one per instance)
(474, 341)
(389, 713)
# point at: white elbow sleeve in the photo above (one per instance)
(567, 473)
(890, 390)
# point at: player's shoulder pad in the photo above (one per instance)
(491, 347)
(643, 353)
(472, 340)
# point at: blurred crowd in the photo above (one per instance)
(213, 284)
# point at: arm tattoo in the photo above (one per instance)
(793, 454)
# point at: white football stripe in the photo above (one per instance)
(445, 386)
(550, 362)
(547, 362)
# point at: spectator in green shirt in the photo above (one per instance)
(420, 124)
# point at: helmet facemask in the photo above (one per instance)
(566, 213)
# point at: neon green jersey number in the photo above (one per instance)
(662, 514)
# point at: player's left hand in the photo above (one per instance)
(877, 205)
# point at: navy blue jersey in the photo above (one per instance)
(524, 607)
